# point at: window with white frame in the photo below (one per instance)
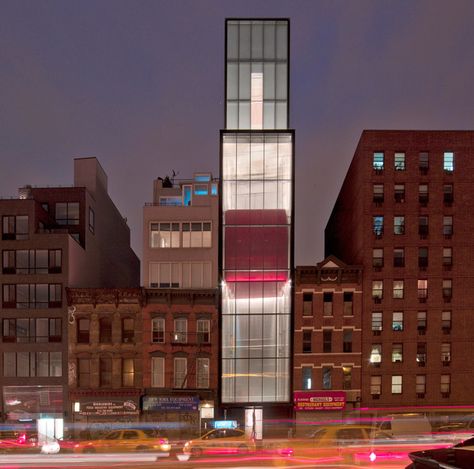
(420, 384)
(398, 287)
(196, 275)
(203, 329)
(164, 235)
(180, 330)
(422, 288)
(377, 289)
(397, 321)
(446, 352)
(376, 353)
(448, 161)
(180, 275)
(445, 384)
(377, 257)
(397, 353)
(397, 384)
(399, 161)
(446, 320)
(377, 161)
(448, 225)
(377, 321)
(399, 225)
(376, 385)
(157, 372)
(202, 373)
(158, 330)
(196, 235)
(180, 372)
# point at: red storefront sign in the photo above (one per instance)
(319, 400)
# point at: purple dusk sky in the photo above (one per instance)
(140, 85)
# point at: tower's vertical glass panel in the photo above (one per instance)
(257, 218)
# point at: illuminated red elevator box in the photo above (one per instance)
(256, 240)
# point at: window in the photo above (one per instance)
(446, 320)
(421, 353)
(327, 341)
(396, 384)
(448, 161)
(422, 289)
(165, 275)
(378, 225)
(348, 298)
(197, 235)
(327, 303)
(447, 289)
(446, 352)
(447, 226)
(202, 373)
(377, 162)
(201, 189)
(31, 364)
(347, 341)
(377, 321)
(376, 354)
(346, 377)
(29, 261)
(375, 385)
(399, 193)
(399, 161)
(24, 330)
(423, 162)
(420, 385)
(423, 226)
(423, 195)
(398, 289)
(421, 321)
(83, 328)
(445, 385)
(399, 257)
(399, 225)
(203, 327)
(307, 304)
(377, 193)
(105, 330)
(307, 377)
(377, 289)
(128, 372)
(423, 257)
(187, 195)
(158, 330)
(84, 374)
(14, 227)
(448, 196)
(128, 330)
(165, 235)
(105, 366)
(180, 372)
(171, 201)
(307, 341)
(377, 257)
(397, 353)
(327, 377)
(67, 213)
(397, 321)
(157, 372)
(31, 296)
(180, 331)
(91, 220)
(447, 257)
(55, 261)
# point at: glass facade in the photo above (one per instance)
(257, 215)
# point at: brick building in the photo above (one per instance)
(327, 339)
(53, 238)
(404, 214)
(105, 356)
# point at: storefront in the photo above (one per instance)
(38, 408)
(99, 411)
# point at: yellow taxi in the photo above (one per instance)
(124, 440)
(220, 441)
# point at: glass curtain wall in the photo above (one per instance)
(257, 175)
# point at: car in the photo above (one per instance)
(18, 441)
(220, 441)
(355, 444)
(460, 456)
(124, 440)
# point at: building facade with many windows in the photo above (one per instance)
(257, 224)
(53, 238)
(403, 213)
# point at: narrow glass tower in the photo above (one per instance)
(256, 217)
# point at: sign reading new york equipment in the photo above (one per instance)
(171, 403)
(321, 400)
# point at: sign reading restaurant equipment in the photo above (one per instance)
(171, 403)
(109, 408)
(322, 400)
